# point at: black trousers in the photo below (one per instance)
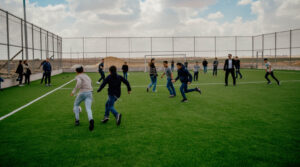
(272, 75)
(215, 71)
(47, 77)
(27, 79)
(20, 78)
(238, 73)
(196, 74)
(44, 75)
(229, 71)
(102, 76)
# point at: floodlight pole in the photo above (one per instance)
(25, 28)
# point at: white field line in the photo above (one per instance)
(214, 83)
(35, 100)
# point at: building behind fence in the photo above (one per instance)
(42, 44)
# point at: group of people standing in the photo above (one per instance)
(24, 70)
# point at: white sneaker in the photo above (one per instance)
(21, 85)
(98, 83)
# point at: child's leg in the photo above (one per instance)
(197, 74)
(110, 105)
(169, 86)
(266, 76)
(194, 76)
(173, 89)
(182, 90)
(272, 75)
(77, 102)
(88, 104)
(152, 81)
(154, 84)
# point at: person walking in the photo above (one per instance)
(229, 69)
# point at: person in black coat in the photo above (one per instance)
(101, 71)
(114, 92)
(27, 72)
(20, 72)
(125, 70)
(229, 66)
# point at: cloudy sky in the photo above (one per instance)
(159, 17)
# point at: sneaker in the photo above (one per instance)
(184, 100)
(198, 90)
(119, 117)
(104, 120)
(269, 83)
(76, 122)
(171, 96)
(226, 84)
(21, 85)
(91, 127)
(98, 83)
(147, 89)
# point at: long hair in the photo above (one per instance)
(151, 62)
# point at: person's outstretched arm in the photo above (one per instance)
(78, 84)
(126, 83)
(105, 81)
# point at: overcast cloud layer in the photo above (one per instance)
(157, 17)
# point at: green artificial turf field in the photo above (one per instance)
(252, 124)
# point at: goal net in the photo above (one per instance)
(164, 57)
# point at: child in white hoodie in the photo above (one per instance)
(84, 84)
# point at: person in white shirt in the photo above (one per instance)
(84, 84)
(229, 66)
(269, 71)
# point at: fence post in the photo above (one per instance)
(22, 40)
(47, 47)
(8, 51)
(195, 46)
(105, 47)
(32, 41)
(83, 51)
(215, 46)
(252, 50)
(41, 44)
(263, 48)
(151, 46)
(235, 47)
(275, 47)
(129, 48)
(290, 46)
(173, 46)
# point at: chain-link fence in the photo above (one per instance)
(282, 48)
(42, 44)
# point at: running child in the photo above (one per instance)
(84, 84)
(153, 75)
(101, 71)
(125, 70)
(186, 78)
(169, 74)
(114, 92)
(196, 71)
(269, 71)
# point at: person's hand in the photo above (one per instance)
(72, 94)
(173, 81)
(129, 92)
(189, 83)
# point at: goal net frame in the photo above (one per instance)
(172, 56)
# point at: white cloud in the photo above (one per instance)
(244, 2)
(217, 15)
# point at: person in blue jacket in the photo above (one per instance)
(47, 69)
(185, 78)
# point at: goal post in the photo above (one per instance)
(164, 57)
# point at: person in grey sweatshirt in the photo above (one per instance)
(84, 84)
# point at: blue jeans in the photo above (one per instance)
(153, 83)
(87, 97)
(204, 69)
(109, 106)
(184, 89)
(171, 87)
(125, 75)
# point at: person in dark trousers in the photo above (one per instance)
(20, 71)
(48, 69)
(42, 64)
(101, 71)
(125, 70)
(1, 80)
(237, 67)
(229, 68)
(204, 63)
(196, 71)
(215, 67)
(186, 64)
(27, 72)
(168, 72)
(185, 78)
(172, 65)
(114, 92)
(269, 71)
(153, 75)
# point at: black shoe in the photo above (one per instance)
(278, 83)
(76, 122)
(104, 120)
(198, 90)
(184, 100)
(119, 117)
(147, 89)
(269, 83)
(226, 84)
(91, 125)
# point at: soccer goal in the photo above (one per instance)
(164, 57)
